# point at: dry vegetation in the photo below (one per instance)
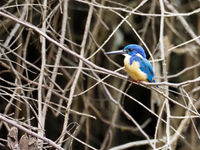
(59, 91)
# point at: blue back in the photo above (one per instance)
(145, 66)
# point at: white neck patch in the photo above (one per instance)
(139, 55)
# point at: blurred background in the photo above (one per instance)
(56, 94)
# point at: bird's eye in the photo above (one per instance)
(128, 50)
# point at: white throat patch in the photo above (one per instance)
(126, 55)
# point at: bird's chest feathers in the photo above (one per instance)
(134, 69)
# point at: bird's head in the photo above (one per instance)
(132, 49)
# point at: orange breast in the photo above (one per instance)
(133, 70)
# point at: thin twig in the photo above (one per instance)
(13, 123)
(73, 87)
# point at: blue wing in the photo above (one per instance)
(145, 66)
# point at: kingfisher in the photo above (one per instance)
(136, 63)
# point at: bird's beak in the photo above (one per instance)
(115, 52)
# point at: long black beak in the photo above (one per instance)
(115, 52)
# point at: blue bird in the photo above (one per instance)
(136, 64)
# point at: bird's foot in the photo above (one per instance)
(138, 82)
